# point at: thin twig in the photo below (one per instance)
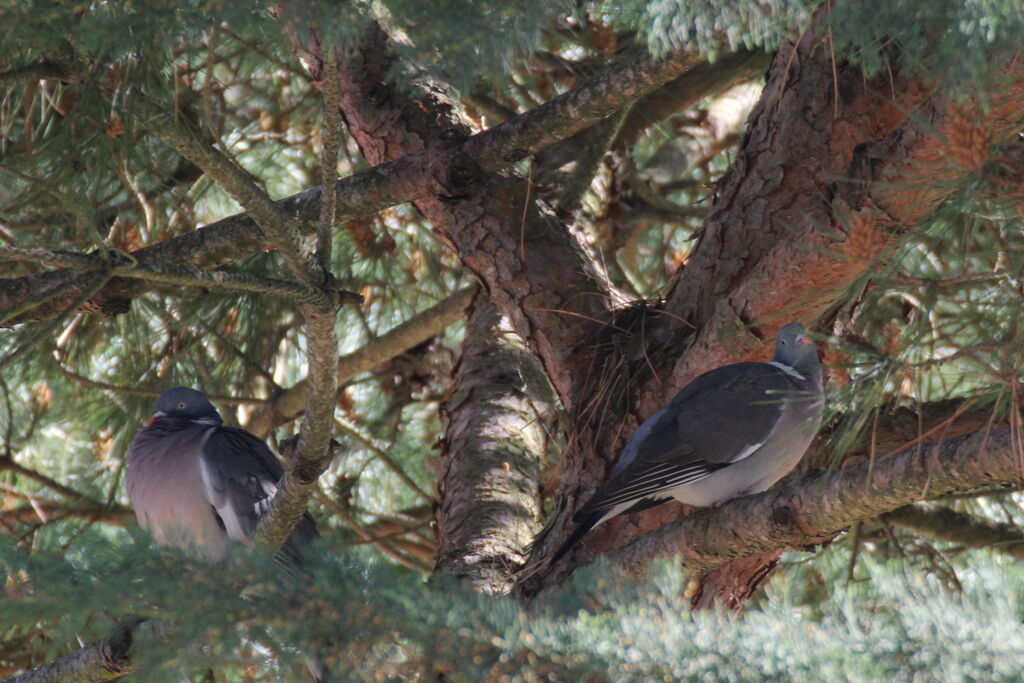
(47, 330)
(239, 185)
(380, 544)
(151, 393)
(9, 464)
(328, 155)
(417, 329)
(191, 277)
(383, 456)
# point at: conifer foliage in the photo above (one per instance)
(541, 219)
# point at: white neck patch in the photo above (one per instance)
(786, 369)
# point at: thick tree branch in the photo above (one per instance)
(810, 509)
(489, 505)
(535, 271)
(190, 277)
(426, 173)
(562, 116)
(288, 404)
(704, 80)
(696, 83)
(807, 191)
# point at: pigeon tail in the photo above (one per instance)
(583, 524)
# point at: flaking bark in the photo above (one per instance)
(497, 421)
(776, 246)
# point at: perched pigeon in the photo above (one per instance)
(732, 431)
(200, 486)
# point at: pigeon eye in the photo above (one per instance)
(181, 404)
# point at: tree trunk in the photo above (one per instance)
(498, 421)
(801, 215)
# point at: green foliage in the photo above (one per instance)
(112, 32)
(940, 319)
(948, 38)
(373, 621)
(491, 34)
(710, 27)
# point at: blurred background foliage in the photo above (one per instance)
(939, 320)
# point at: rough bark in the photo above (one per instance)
(803, 212)
(532, 267)
(810, 509)
(497, 418)
(801, 215)
(435, 170)
(105, 660)
(534, 270)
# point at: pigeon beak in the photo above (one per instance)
(803, 339)
(156, 416)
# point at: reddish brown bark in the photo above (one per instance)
(801, 215)
(533, 269)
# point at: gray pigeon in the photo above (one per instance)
(732, 431)
(200, 486)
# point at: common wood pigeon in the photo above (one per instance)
(732, 431)
(200, 486)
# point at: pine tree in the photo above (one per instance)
(544, 219)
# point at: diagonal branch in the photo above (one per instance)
(598, 97)
(288, 404)
(413, 176)
(8, 463)
(274, 223)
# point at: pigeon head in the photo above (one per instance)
(185, 404)
(795, 349)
